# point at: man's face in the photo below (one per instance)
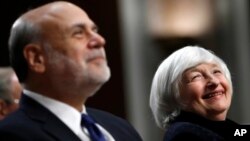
(16, 90)
(75, 53)
(206, 91)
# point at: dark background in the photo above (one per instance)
(104, 13)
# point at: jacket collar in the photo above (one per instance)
(50, 123)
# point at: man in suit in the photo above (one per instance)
(59, 57)
(10, 91)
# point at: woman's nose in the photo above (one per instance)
(213, 81)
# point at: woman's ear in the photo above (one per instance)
(35, 58)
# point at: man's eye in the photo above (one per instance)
(95, 29)
(78, 32)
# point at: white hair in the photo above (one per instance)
(167, 79)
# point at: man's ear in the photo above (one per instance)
(35, 57)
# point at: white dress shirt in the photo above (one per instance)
(68, 115)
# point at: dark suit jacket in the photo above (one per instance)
(189, 126)
(33, 122)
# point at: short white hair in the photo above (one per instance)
(167, 79)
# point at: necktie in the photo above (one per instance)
(94, 133)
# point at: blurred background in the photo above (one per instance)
(141, 33)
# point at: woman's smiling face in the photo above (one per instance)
(206, 91)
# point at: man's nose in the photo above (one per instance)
(96, 41)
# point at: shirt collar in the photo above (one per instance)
(66, 113)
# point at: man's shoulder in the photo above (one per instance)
(17, 119)
(15, 127)
(104, 115)
(119, 128)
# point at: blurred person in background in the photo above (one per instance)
(59, 57)
(10, 91)
(190, 96)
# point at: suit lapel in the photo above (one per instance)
(58, 130)
(105, 122)
(50, 123)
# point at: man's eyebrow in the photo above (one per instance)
(83, 26)
(79, 25)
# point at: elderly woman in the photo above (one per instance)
(190, 96)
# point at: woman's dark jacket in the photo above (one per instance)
(190, 126)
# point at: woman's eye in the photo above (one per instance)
(217, 71)
(196, 76)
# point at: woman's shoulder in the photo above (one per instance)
(186, 130)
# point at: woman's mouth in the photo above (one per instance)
(213, 94)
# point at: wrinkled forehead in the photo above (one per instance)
(66, 12)
(56, 21)
(211, 64)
